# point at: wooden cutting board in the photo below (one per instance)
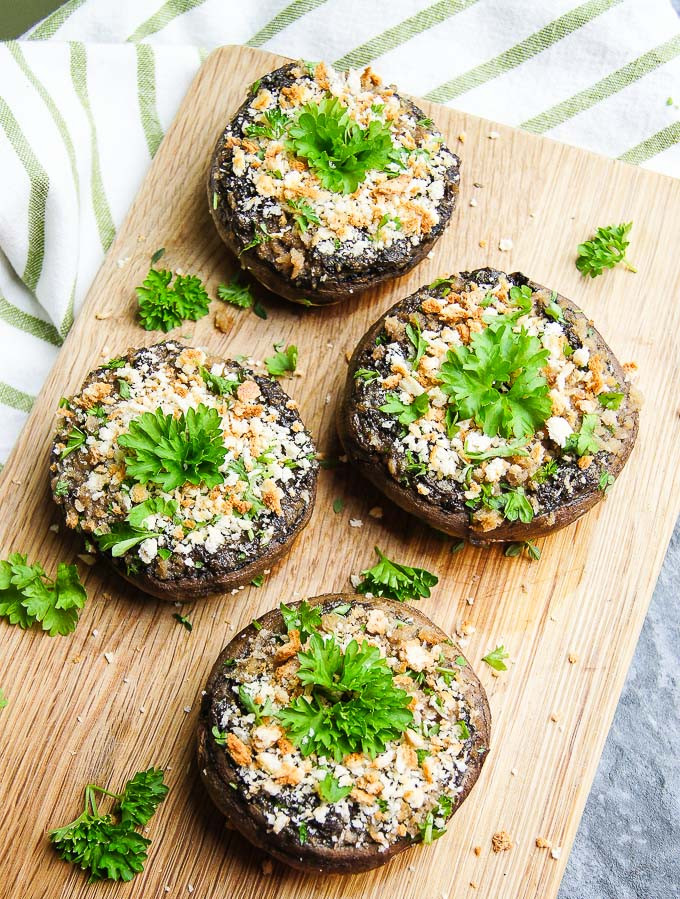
(75, 716)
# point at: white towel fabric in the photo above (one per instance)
(87, 95)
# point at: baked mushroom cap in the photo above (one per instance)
(284, 787)
(489, 406)
(326, 183)
(189, 473)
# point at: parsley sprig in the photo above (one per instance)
(395, 581)
(108, 849)
(163, 306)
(305, 618)
(236, 292)
(353, 704)
(337, 149)
(605, 250)
(28, 596)
(171, 451)
(406, 413)
(497, 380)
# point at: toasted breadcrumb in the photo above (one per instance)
(501, 842)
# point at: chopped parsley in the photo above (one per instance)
(237, 292)
(183, 621)
(304, 214)
(304, 618)
(414, 334)
(330, 789)
(610, 399)
(406, 413)
(584, 441)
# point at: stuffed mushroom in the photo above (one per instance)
(189, 473)
(334, 734)
(326, 183)
(489, 406)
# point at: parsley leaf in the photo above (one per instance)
(252, 708)
(76, 438)
(497, 380)
(305, 618)
(584, 441)
(330, 789)
(366, 374)
(218, 385)
(353, 705)
(414, 334)
(273, 125)
(183, 621)
(605, 250)
(282, 361)
(28, 596)
(406, 413)
(173, 451)
(237, 293)
(610, 399)
(395, 581)
(513, 550)
(337, 149)
(515, 448)
(163, 307)
(304, 214)
(495, 659)
(108, 849)
(442, 809)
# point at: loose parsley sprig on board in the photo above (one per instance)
(163, 306)
(170, 451)
(237, 293)
(283, 361)
(605, 250)
(28, 596)
(352, 705)
(497, 380)
(337, 149)
(395, 581)
(108, 849)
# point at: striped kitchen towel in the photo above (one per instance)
(87, 95)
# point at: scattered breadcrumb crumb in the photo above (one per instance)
(470, 600)
(109, 657)
(473, 884)
(554, 717)
(461, 137)
(494, 135)
(513, 771)
(54, 528)
(473, 202)
(482, 243)
(267, 866)
(501, 842)
(348, 355)
(542, 844)
(356, 523)
(556, 852)
(95, 632)
(376, 512)
(505, 244)
(477, 850)
(572, 658)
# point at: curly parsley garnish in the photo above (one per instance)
(170, 451)
(605, 250)
(163, 307)
(353, 704)
(497, 380)
(396, 581)
(303, 213)
(330, 789)
(273, 125)
(108, 849)
(28, 596)
(337, 149)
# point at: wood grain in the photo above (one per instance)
(73, 717)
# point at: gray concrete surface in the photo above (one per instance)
(628, 844)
